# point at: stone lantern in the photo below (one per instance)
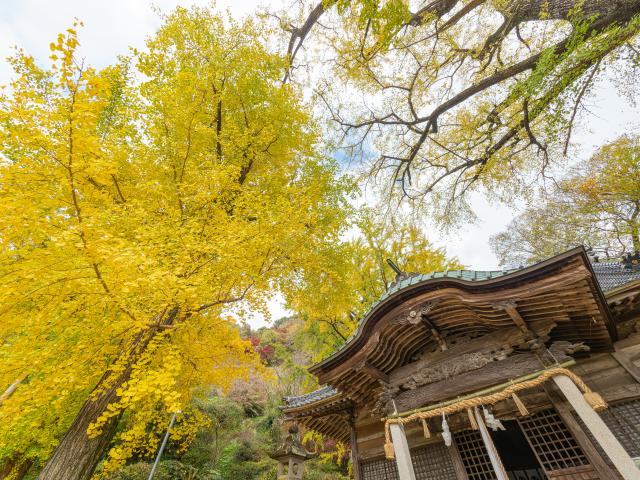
(291, 456)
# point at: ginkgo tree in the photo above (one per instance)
(333, 299)
(448, 97)
(139, 201)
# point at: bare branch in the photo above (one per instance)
(226, 300)
(583, 90)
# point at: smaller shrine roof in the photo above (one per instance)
(315, 396)
(612, 275)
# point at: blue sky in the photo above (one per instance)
(112, 26)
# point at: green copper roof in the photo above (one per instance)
(467, 275)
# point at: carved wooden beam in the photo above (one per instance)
(511, 307)
(415, 315)
(436, 333)
(492, 373)
(494, 342)
(373, 372)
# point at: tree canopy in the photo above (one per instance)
(448, 97)
(333, 299)
(138, 201)
(597, 205)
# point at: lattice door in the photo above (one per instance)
(474, 455)
(433, 462)
(556, 449)
(624, 421)
(379, 469)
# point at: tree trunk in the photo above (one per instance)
(635, 238)
(531, 10)
(19, 468)
(77, 455)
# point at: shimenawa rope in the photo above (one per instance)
(593, 398)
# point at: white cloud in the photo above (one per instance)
(110, 26)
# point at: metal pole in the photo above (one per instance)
(164, 444)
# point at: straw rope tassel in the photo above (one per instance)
(388, 451)
(521, 406)
(592, 398)
(472, 419)
(425, 428)
(595, 400)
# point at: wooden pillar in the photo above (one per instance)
(355, 462)
(496, 463)
(402, 454)
(609, 443)
(456, 459)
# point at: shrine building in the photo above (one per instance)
(524, 374)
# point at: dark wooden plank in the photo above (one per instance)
(355, 458)
(373, 372)
(493, 373)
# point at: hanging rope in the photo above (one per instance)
(472, 419)
(593, 398)
(521, 406)
(425, 428)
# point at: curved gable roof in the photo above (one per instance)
(467, 281)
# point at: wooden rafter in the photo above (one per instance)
(511, 307)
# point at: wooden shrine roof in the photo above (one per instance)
(562, 286)
(561, 299)
(313, 397)
(325, 410)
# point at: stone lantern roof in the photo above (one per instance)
(291, 447)
(291, 456)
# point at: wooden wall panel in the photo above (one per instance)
(585, 472)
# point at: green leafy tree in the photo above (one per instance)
(454, 96)
(597, 205)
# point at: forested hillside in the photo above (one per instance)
(245, 424)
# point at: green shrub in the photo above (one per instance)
(167, 470)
